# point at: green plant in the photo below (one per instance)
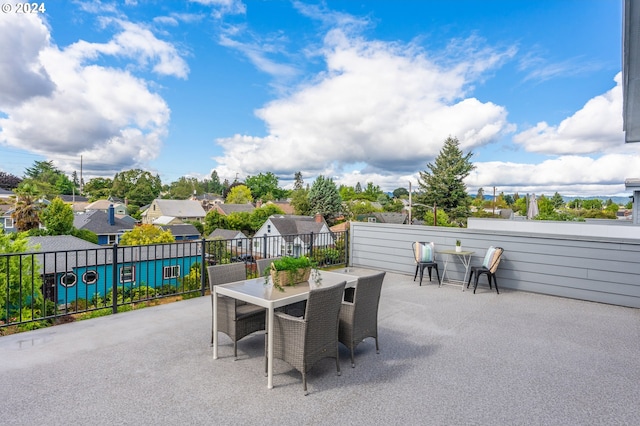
(458, 243)
(291, 265)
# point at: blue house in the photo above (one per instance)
(74, 269)
(106, 225)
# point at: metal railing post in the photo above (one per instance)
(114, 281)
(203, 282)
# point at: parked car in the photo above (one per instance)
(246, 258)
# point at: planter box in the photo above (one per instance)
(284, 278)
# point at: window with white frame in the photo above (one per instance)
(69, 279)
(169, 272)
(90, 277)
(127, 274)
(8, 222)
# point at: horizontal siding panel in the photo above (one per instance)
(595, 269)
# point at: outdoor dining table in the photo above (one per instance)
(259, 293)
(464, 257)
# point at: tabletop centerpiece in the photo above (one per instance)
(458, 245)
(289, 271)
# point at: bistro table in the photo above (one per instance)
(464, 257)
(259, 293)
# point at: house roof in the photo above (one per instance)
(5, 193)
(101, 205)
(181, 230)
(163, 220)
(74, 198)
(97, 221)
(286, 206)
(60, 243)
(225, 234)
(296, 224)
(235, 208)
(180, 208)
(390, 217)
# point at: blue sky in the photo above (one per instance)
(357, 91)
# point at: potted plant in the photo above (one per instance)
(291, 271)
(458, 246)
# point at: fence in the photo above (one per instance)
(39, 288)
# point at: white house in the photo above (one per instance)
(291, 236)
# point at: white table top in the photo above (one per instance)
(257, 292)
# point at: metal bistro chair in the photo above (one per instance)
(425, 257)
(359, 318)
(489, 267)
(236, 319)
(302, 342)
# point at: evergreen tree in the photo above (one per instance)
(443, 184)
(557, 201)
(214, 184)
(298, 182)
(324, 197)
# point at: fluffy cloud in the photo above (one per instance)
(386, 106)
(69, 106)
(596, 127)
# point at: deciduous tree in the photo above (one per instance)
(239, 194)
(146, 234)
(57, 217)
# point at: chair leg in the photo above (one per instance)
(416, 274)
(429, 273)
(475, 283)
(304, 383)
(437, 274)
(470, 276)
(421, 274)
(338, 360)
(377, 348)
(235, 351)
(495, 281)
(353, 362)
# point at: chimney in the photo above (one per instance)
(319, 218)
(112, 215)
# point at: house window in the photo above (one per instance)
(169, 272)
(269, 229)
(8, 222)
(127, 274)
(371, 219)
(90, 277)
(69, 279)
(239, 243)
(112, 239)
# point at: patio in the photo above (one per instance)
(447, 357)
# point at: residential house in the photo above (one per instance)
(106, 226)
(182, 231)
(6, 199)
(226, 209)
(237, 241)
(183, 210)
(384, 217)
(291, 236)
(7, 222)
(82, 270)
(209, 201)
(104, 205)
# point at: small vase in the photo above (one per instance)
(458, 249)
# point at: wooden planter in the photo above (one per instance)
(284, 278)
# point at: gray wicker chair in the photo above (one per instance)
(359, 318)
(264, 264)
(301, 342)
(236, 319)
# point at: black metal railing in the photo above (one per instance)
(38, 289)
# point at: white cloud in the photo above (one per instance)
(104, 114)
(383, 104)
(596, 127)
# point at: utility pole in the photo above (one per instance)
(494, 200)
(410, 223)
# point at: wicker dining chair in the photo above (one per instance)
(359, 318)
(302, 342)
(236, 319)
(489, 267)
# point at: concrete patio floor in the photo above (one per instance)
(447, 358)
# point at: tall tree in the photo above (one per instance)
(98, 188)
(145, 235)
(47, 174)
(214, 184)
(239, 194)
(557, 201)
(443, 184)
(137, 186)
(9, 181)
(264, 186)
(324, 197)
(57, 217)
(298, 183)
(26, 213)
